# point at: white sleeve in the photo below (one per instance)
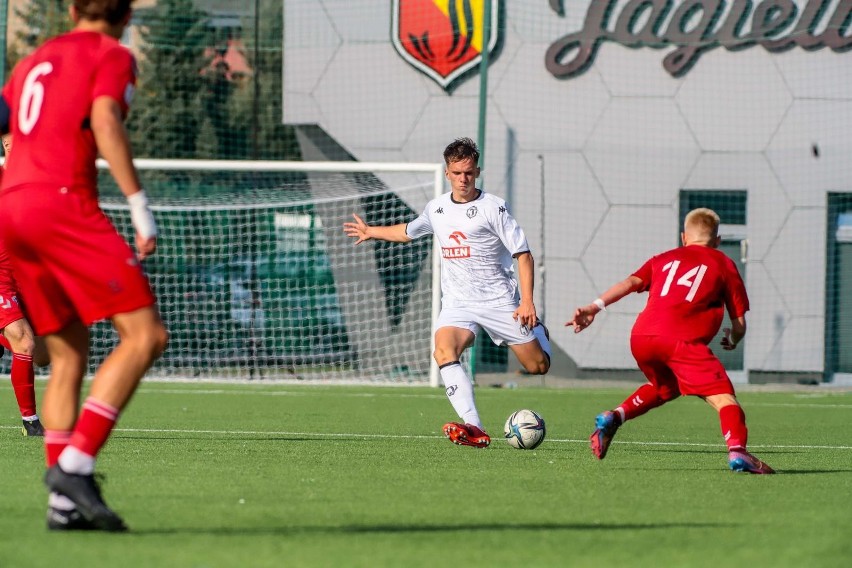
(420, 227)
(510, 233)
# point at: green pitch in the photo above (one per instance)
(211, 475)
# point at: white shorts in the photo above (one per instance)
(498, 322)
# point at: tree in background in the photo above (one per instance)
(258, 103)
(168, 110)
(188, 103)
(42, 20)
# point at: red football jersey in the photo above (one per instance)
(688, 290)
(50, 94)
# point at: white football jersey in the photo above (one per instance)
(478, 240)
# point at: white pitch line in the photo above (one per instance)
(418, 395)
(439, 437)
(288, 393)
(306, 392)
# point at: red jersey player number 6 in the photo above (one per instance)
(32, 97)
(65, 104)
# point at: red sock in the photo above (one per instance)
(54, 442)
(5, 343)
(94, 426)
(23, 383)
(732, 419)
(644, 399)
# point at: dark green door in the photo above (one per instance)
(731, 206)
(839, 341)
(838, 289)
(732, 360)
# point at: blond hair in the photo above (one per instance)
(702, 225)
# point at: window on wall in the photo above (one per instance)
(731, 206)
(838, 289)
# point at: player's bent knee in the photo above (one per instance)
(442, 356)
(161, 341)
(24, 345)
(540, 367)
(20, 337)
(667, 395)
(152, 341)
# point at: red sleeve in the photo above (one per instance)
(116, 77)
(736, 298)
(644, 274)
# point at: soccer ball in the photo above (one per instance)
(524, 430)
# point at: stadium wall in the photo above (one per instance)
(690, 102)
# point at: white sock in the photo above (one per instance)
(460, 392)
(32, 418)
(538, 332)
(72, 460)
(61, 502)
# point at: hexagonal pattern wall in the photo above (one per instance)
(610, 151)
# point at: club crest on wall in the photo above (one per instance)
(443, 38)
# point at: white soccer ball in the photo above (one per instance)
(524, 429)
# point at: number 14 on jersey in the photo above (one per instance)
(691, 279)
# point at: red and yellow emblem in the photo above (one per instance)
(443, 38)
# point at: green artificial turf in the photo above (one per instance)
(254, 475)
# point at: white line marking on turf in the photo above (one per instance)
(288, 393)
(438, 437)
(422, 437)
(417, 395)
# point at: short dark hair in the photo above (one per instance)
(461, 149)
(112, 11)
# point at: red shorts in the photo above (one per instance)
(69, 261)
(10, 311)
(674, 366)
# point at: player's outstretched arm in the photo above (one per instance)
(584, 316)
(361, 231)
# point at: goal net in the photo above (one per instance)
(256, 279)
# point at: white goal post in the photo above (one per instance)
(255, 277)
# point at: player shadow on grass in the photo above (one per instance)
(241, 437)
(771, 454)
(443, 528)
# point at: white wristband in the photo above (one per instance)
(600, 304)
(140, 215)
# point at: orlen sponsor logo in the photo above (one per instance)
(460, 251)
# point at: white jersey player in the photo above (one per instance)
(479, 239)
